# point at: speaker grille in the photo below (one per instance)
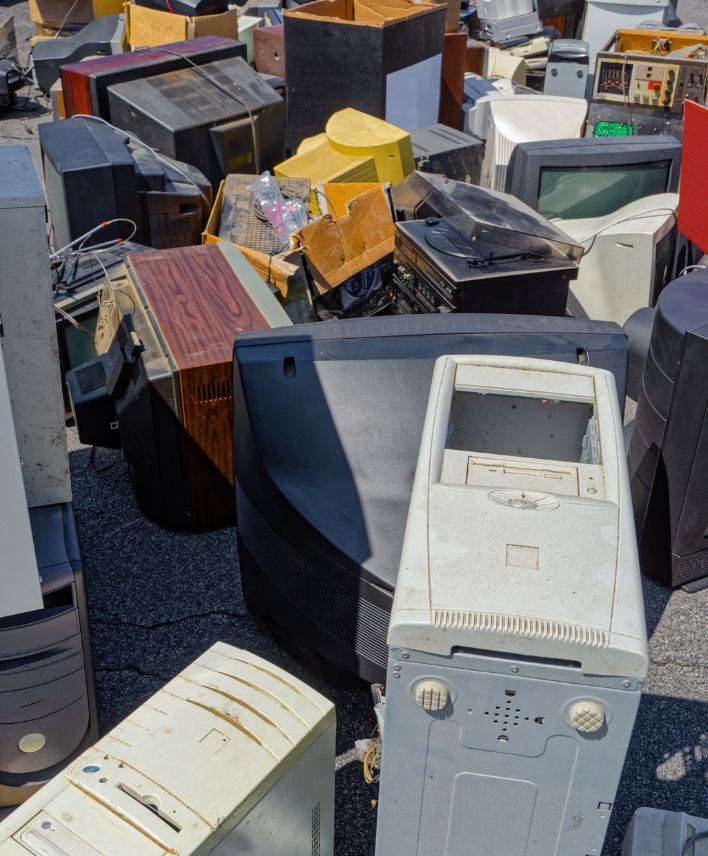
(358, 623)
(691, 568)
(91, 377)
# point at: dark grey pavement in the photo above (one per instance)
(158, 599)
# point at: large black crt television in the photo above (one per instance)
(668, 451)
(221, 117)
(327, 425)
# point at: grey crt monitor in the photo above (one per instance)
(592, 177)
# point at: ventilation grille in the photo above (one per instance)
(503, 714)
(316, 829)
(168, 231)
(91, 378)
(358, 623)
(691, 568)
(218, 390)
(513, 625)
(243, 221)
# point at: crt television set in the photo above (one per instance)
(221, 117)
(327, 426)
(573, 179)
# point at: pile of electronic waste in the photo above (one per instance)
(351, 277)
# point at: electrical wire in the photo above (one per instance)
(690, 268)
(66, 250)
(138, 142)
(699, 836)
(65, 19)
(370, 759)
(226, 91)
(643, 215)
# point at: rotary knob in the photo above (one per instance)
(431, 695)
(586, 716)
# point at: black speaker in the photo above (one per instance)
(668, 452)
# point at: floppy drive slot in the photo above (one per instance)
(489, 472)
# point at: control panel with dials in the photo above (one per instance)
(646, 81)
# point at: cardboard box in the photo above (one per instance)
(58, 12)
(384, 59)
(336, 250)
(147, 27)
(334, 197)
(275, 270)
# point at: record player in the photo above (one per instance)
(464, 248)
(438, 269)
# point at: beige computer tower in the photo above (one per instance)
(233, 756)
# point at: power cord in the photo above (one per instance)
(226, 91)
(138, 142)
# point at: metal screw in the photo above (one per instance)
(396, 676)
(405, 656)
(396, 668)
(626, 684)
(515, 669)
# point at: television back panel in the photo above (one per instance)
(103, 37)
(90, 178)
(85, 84)
(233, 755)
(178, 113)
(517, 638)
(197, 299)
(320, 554)
(29, 341)
(439, 148)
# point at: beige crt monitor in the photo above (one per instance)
(232, 756)
(628, 257)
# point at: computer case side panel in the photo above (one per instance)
(31, 353)
(47, 688)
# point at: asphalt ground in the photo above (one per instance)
(157, 599)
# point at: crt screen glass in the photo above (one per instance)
(570, 193)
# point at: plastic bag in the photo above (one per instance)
(285, 215)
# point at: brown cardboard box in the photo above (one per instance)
(337, 196)
(148, 27)
(58, 12)
(273, 269)
(336, 250)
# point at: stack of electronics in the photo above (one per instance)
(94, 173)
(408, 400)
(466, 249)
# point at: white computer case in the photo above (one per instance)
(19, 582)
(517, 635)
(29, 331)
(233, 756)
